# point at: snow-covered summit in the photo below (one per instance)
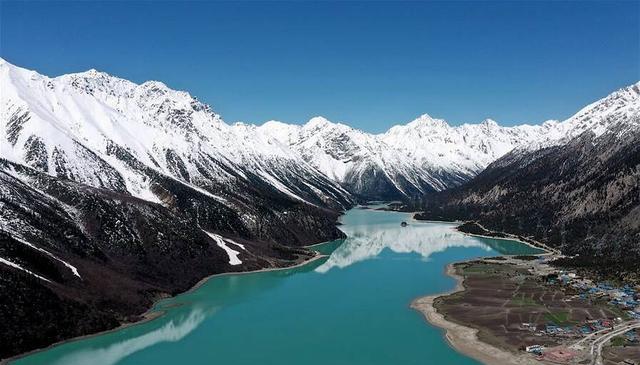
(100, 129)
(430, 154)
(427, 122)
(111, 133)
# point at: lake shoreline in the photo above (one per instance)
(509, 236)
(505, 235)
(151, 314)
(462, 338)
(545, 252)
(158, 310)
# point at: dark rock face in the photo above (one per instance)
(128, 252)
(15, 123)
(375, 184)
(372, 184)
(583, 197)
(36, 154)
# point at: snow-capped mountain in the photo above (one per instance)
(114, 194)
(581, 196)
(104, 131)
(428, 154)
(112, 133)
(361, 162)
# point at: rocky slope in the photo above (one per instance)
(582, 196)
(114, 194)
(77, 259)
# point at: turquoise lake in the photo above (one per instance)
(349, 308)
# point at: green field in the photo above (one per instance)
(618, 341)
(523, 302)
(559, 318)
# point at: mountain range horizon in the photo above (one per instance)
(114, 194)
(426, 154)
(420, 115)
(319, 182)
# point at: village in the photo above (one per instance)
(592, 340)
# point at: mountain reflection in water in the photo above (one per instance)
(285, 316)
(368, 241)
(173, 331)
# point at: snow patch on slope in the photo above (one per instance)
(16, 266)
(73, 269)
(233, 254)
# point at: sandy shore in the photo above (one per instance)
(464, 339)
(533, 243)
(546, 250)
(151, 314)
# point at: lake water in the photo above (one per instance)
(350, 308)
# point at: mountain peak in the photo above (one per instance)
(154, 84)
(275, 123)
(490, 122)
(169, 129)
(92, 74)
(425, 120)
(318, 122)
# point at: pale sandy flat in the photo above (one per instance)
(464, 339)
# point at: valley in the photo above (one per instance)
(115, 195)
(339, 308)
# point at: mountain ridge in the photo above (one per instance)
(427, 154)
(581, 197)
(424, 155)
(143, 191)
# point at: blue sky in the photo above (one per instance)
(370, 65)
